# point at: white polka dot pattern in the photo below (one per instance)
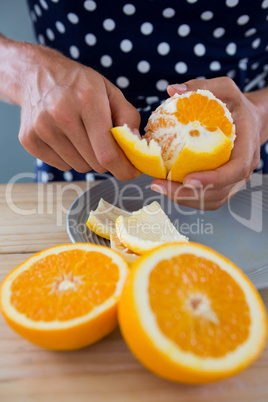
(184, 30)
(199, 49)
(250, 32)
(106, 60)
(90, 5)
(243, 19)
(50, 34)
(129, 9)
(147, 28)
(168, 12)
(231, 49)
(163, 48)
(232, 3)
(37, 10)
(33, 16)
(218, 32)
(90, 39)
(43, 4)
(143, 66)
(243, 64)
(73, 18)
(181, 67)
(41, 39)
(126, 45)
(122, 82)
(90, 177)
(68, 176)
(256, 43)
(109, 24)
(207, 15)
(215, 66)
(162, 85)
(60, 27)
(74, 52)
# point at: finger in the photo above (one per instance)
(122, 111)
(176, 88)
(44, 152)
(223, 91)
(97, 120)
(57, 140)
(204, 199)
(77, 135)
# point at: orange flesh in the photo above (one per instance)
(198, 306)
(209, 113)
(64, 286)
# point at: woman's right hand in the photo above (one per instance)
(67, 112)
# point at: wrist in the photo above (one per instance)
(15, 67)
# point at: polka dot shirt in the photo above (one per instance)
(144, 46)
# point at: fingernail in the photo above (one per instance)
(179, 87)
(158, 188)
(136, 132)
(193, 183)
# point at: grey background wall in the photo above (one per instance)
(14, 23)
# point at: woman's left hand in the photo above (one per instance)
(209, 190)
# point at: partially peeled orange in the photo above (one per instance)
(187, 133)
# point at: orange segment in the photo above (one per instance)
(190, 315)
(65, 297)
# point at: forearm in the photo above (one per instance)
(260, 100)
(15, 61)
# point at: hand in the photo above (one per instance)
(67, 113)
(211, 189)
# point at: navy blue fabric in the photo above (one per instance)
(145, 45)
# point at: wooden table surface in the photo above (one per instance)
(32, 219)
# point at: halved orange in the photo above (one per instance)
(187, 133)
(190, 315)
(65, 297)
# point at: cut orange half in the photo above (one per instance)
(65, 297)
(190, 315)
(187, 133)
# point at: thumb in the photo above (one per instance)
(122, 111)
(222, 87)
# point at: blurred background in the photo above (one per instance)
(14, 23)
